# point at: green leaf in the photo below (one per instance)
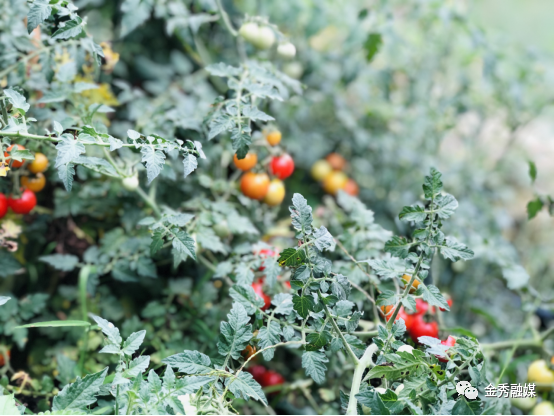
(314, 364)
(154, 161)
(372, 45)
(532, 171)
(301, 214)
(268, 336)
(291, 257)
(223, 70)
(445, 205)
(533, 207)
(283, 303)
(8, 406)
(432, 184)
(386, 269)
(241, 142)
(189, 164)
(244, 274)
(135, 13)
(189, 362)
(245, 295)
(303, 305)
(462, 407)
(68, 150)
(516, 276)
(398, 246)
(235, 334)
(17, 100)
(184, 244)
(137, 366)
(386, 298)
(244, 386)
(254, 114)
(432, 295)
(372, 399)
(54, 324)
(413, 213)
(319, 339)
(404, 363)
(4, 299)
(66, 173)
(109, 329)
(157, 241)
(323, 239)
(63, 262)
(69, 30)
(76, 397)
(453, 250)
(133, 342)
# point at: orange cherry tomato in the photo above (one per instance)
(334, 181)
(275, 193)
(351, 187)
(35, 184)
(15, 163)
(38, 165)
(254, 185)
(336, 161)
(3, 359)
(248, 352)
(273, 137)
(406, 278)
(247, 163)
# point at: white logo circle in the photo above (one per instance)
(471, 393)
(461, 386)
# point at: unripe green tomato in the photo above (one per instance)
(524, 403)
(130, 183)
(221, 229)
(399, 389)
(293, 70)
(543, 408)
(266, 38)
(250, 31)
(406, 348)
(286, 50)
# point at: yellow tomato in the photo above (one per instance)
(406, 278)
(543, 408)
(273, 137)
(320, 170)
(539, 372)
(35, 184)
(334, 181)
(39, 164)
(247, 163)
(275, 193)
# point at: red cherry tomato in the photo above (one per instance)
(450, 342)
(258, 289)
(257, 372)
(3, 359)
(25, 204)
(282, 166)
(449, 301)
(287, 284)
(271, 378)
(3, 205)
(15, 163)
(420, 328)
(389, 311)
(421, 307)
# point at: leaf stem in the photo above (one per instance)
(226, 19)
(337, 329)
(361, 365)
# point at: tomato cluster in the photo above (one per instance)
(30, 184)
(330, 172)
(258, 185)
(263, 37)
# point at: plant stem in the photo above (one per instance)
(361, 365)
(338, 331)
(152, 204)
(226, 19)
(83, 278)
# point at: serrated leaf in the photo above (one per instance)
(413, 213)
(235, 334)
(372, 45)
(244, 274)
(4, 299)
(245, 295)
(303, 305)
(323, 239)
(135, 13)
(63, 262)
(433, 184)
(114, 143)
(268, 336)
(137, 366)
(387, 269)
(244, 386)
(17, 100)
(301, 214)
(76, 397)
(445, 205)
(534, 207)
(189, 164)
(372, 399)
(223, 70)
(314, 364)
(157, 241)
(133, 342)
(253, 113)
(153, 160)
(68, 150)
(66, 174)
(319, 339)
(189, 362)
(283, 303)
(184, 244)
(453, 250)
(291, 257)
(109, 329)
(398, 247)
(432, 295)
(69, 30)
(8, 406)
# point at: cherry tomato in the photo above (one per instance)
(539, 372)
(258, 289)
(320, 170)
(130, 183)
(25, 204)
(420, 328)
(254, 185)
(421, 307)
(450, 342)
(387, 310)
(3, 359)
(449, 301)
(406, 278)
(524, 403)
(35, 184)
(248, 352)
(257, 372)
(286, 50)
(336, 161)
(287, 285)
(273, 137)
(351, 187)
(15, 163)
(265, 38)
(39, 165)
(334, 181)
(264, 254)
(271, 378)
(3, 205)
(543, 408)
(282, 166)
(249, 31)
(247, 163)
(275, 193)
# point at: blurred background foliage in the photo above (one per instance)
(396, 87)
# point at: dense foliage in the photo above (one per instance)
(149, 265)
